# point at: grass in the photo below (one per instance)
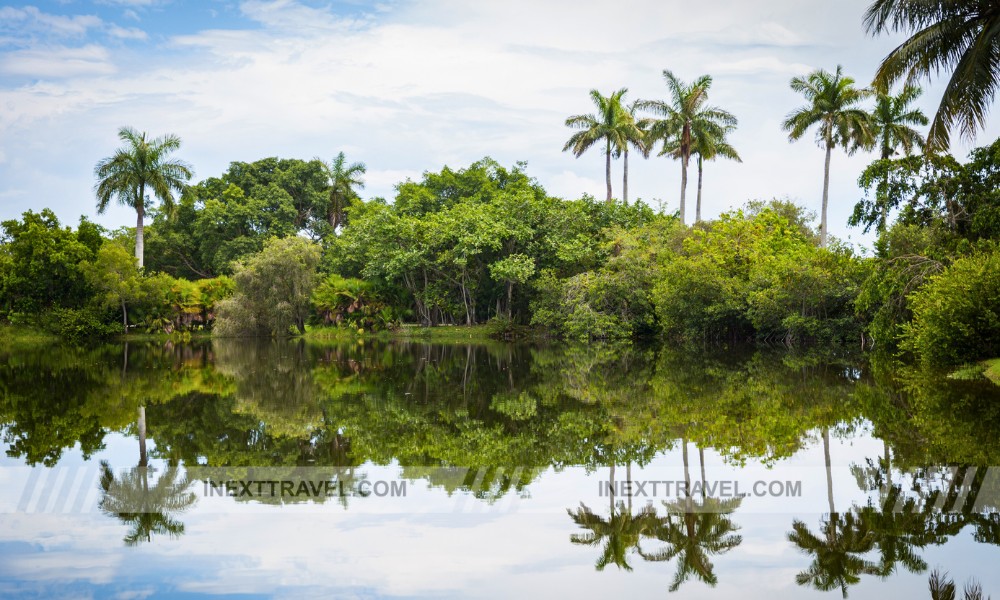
(990, 369)
(23, 336)
(439, 334)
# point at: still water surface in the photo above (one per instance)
(280, 469)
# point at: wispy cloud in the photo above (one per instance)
(58, 62)
(31, 20)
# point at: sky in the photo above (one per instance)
(408, 87)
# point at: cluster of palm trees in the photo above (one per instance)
(960, 36)
(684, 126)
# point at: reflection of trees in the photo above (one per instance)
(147, 510)
(694, 531)
(618, 535)
(838, 552)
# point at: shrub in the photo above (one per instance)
(956, 315)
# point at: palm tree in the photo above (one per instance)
(709, 143)
(833, 106)
(957, 36)
(611, 123)
(634, 135)
(683, 118)
(140, 164)
(343, 179)
(892, 120)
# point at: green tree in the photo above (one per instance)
(344, 178)
(709, 143)
(956, 36)
(892, 122)
(273, 290)
(833, 106)
(114, 277)
(611, 124)
(44, 263)
(140, 164)
(684, 119)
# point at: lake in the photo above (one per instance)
(254, 469)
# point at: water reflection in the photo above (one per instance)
(496, 422)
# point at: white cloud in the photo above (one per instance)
(421, 85)
(127, 33)
(30, 18)
(58, 62)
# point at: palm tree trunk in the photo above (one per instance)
(687, 471)
(829, 471)
(826, 194)
(141, 426)
(684, 184)
(140, 213)
(704, 480)
(628, 486)
(607, 169)
(625, 179)
(611, 477)
(697, 206)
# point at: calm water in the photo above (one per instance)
(245, 469)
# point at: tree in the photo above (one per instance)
(684, 119)
(634, 135)
(273, 290)
(611, 123)
(140, 164)
(343, 179)
(709, 143)
(892, 120)
(957, 36)
(114, 277)
(832, 104)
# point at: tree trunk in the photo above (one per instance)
(141, 426)
(124, 316)
(611, 476)
(697, 206)
(826, 194)
(607, 169)
(829, 472)
(625, 178)
(684, 184)
(140, 209)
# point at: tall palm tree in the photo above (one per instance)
(682, 118)
(610, 124)
(892, 122)
(140, 164)
(344, 179)
(709, 143)
(634, 135)
(833, 105)
(957, 36)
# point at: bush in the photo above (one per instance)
(273, 290)
(955, 315)
(81, 324)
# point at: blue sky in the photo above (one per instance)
(408, 87)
